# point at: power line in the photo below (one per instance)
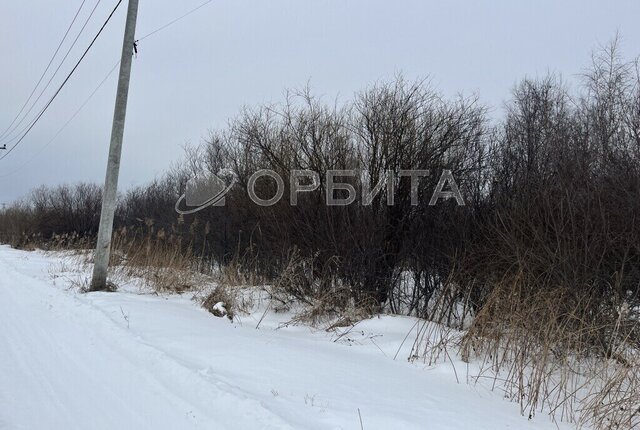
(73, 44)
(46, 68)
(170, 23)
(55, 136)
(64, 82)
(96, 90)
(35, 102)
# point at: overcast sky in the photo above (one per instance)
(198, 73)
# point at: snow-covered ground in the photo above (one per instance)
(128, 360)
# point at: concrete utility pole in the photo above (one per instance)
(103, 248)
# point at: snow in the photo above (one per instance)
(219, 309)
(129, 360)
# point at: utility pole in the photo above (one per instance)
(109, 194)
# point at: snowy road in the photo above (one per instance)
(66, 366)
(132, 361)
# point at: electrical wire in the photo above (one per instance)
(35, 121)
(45, 70)
(35, 102)
(97, 88)
(170, 23)
(55, 136)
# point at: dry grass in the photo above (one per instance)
(556, 351)
(157, 262)
(220, 302)
(549, 345)
(160, 260)
(615, 402)
(317, 297)
(239, 272)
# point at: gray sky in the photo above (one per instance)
(198, 73)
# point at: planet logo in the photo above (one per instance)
(205, 191)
